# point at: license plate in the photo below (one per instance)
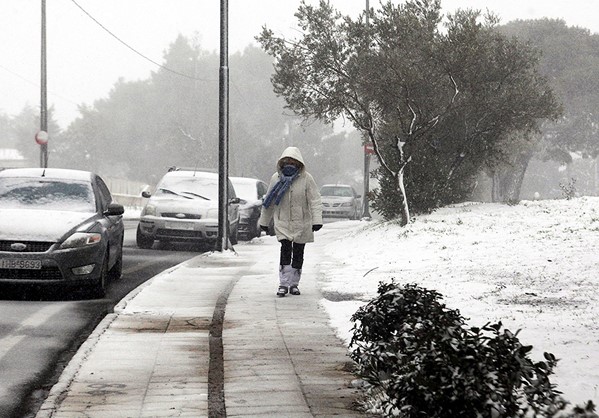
(20, 264)
(186, 226)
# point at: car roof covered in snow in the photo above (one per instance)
(54, 173)
(191, 173)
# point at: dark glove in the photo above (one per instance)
(264, 228)
(316, 227)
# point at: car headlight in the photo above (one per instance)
(149, 210)
(81, 239)
(212, 213)
(346, 204)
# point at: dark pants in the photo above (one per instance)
(292, 253)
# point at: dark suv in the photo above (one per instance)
(251, 192)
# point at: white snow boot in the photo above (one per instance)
(296, 275)
(285, 279)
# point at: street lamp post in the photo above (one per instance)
(223, 129)
(365, 204)
(43, 100)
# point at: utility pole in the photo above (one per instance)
(43, 101)
(365, 205)
(223, 130)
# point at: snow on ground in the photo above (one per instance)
(532, 266)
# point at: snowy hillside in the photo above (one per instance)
(533, 266)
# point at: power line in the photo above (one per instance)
(149, 59)
(36, 84)
(134, 50)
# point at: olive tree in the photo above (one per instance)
(442, 102)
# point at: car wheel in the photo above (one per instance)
(117, 269)
(255, 230)
(164, 244)
(99, 288)
(143, 241)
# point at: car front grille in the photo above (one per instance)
(31, 246)
(46, 273)
(179, 215)
(177, 233)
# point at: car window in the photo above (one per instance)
(231, 190)
(262, 189)
(336, 191)
(246, 191)
(52, 194)
(104, 193)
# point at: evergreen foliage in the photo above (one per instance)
(421, 360)
(438, 105)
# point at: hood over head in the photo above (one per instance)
(291, 152)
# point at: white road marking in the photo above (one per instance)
(38, 317)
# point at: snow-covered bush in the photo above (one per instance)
(421, 360)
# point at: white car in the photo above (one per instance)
(184, 208)
(340, 201)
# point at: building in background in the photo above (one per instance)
(12, 158)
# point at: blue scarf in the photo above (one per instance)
(286, 177)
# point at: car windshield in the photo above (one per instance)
(47, 194)
(189, 187)
(336, 191)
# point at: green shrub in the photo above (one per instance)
(568, 189)
(422, 361)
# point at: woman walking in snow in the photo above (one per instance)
(293, 200)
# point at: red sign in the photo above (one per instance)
(368, 148)
(41, 137)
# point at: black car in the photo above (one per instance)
(59, 227)
(251, 191)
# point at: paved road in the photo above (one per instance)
(170, 350)
(40, 331)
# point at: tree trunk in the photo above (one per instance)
(507, 181)
(404, 210)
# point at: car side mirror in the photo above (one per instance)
(234, 200)
(145, 191)
(114, 209)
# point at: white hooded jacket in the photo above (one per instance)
(300, 207)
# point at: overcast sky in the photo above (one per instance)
(84, 61)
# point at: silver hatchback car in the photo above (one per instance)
(184, 208)
(340, 201)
